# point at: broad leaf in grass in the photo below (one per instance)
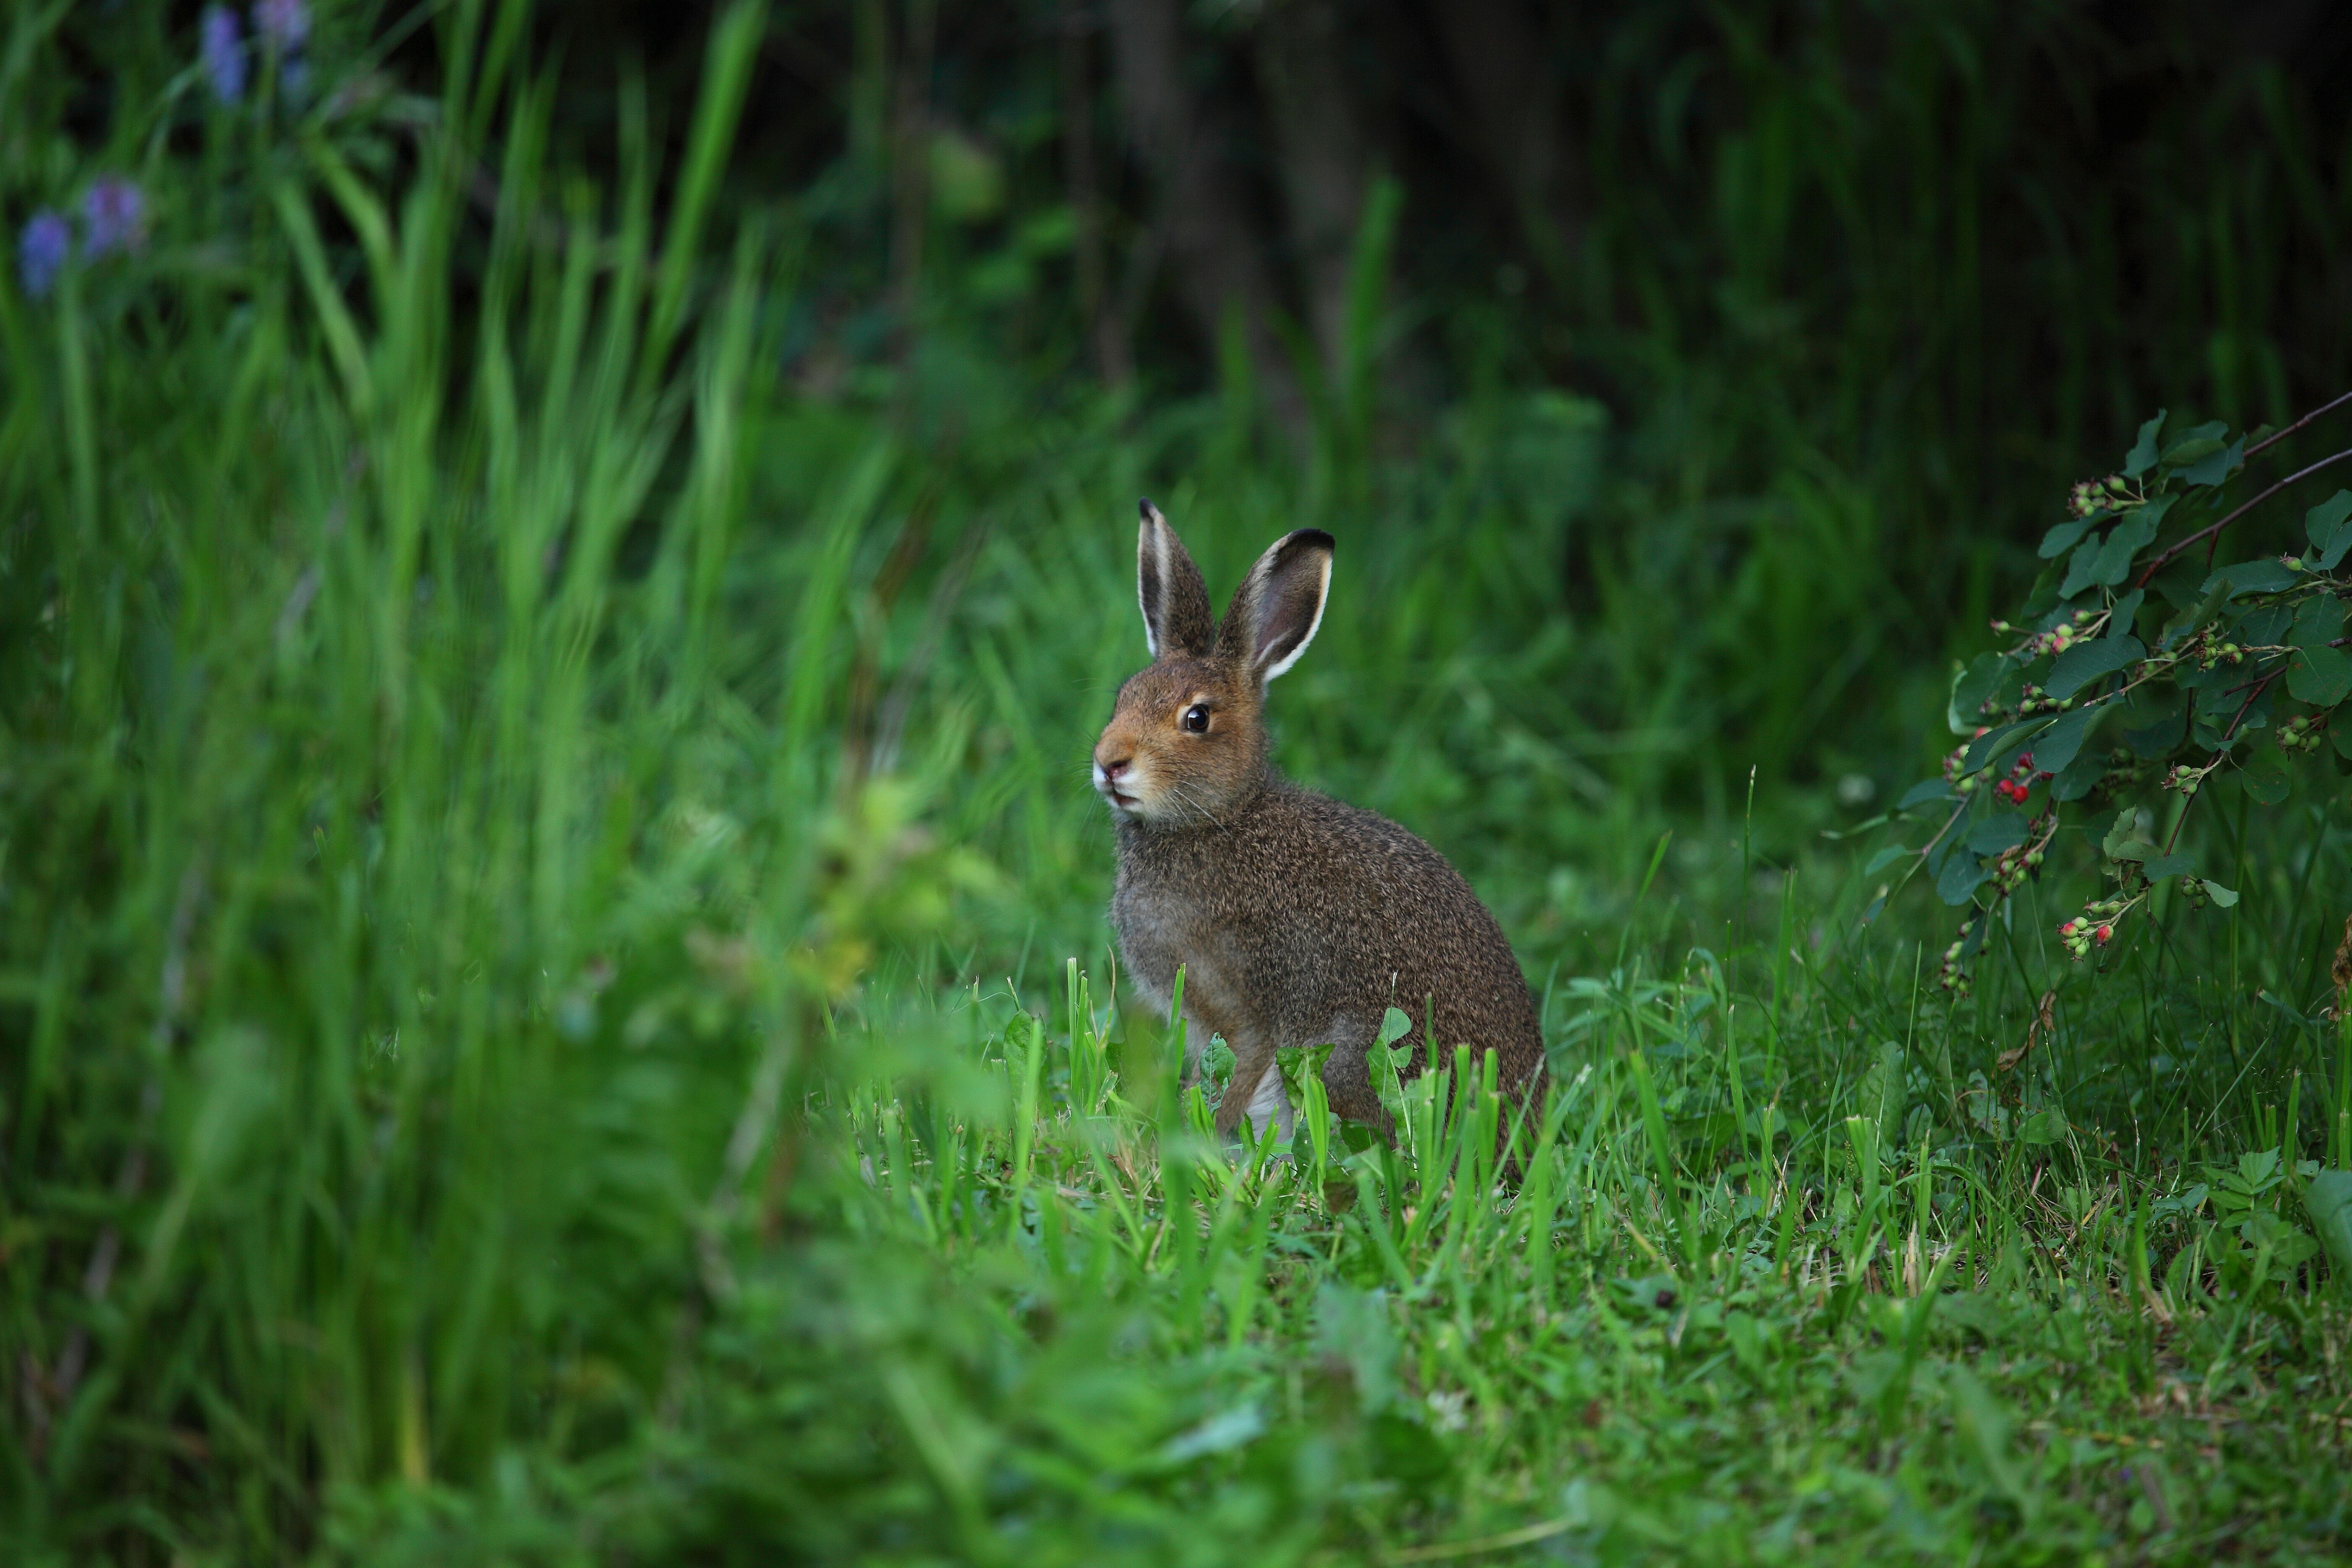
(2088, 661)
(1386, 1062)
(2044, 1127)
(2327, 1199)
(2165, 866)
(2320, 676)
(2224, 897)
(2263, 778)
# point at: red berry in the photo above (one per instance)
(2104, 933)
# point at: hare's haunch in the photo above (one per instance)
(1298, 920)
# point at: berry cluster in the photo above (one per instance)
(2033, 700)
(2185, 778)
(2062, 637)
(2094, 927)
(2090, 497)
(2210, 653)
(2300, 733)
(2014, 866)
(2192, 888)
(1961, 786)
(1952, 974)
(2020, 780)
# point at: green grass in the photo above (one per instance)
(555, 1005)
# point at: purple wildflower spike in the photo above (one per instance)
(113, 216)
(220, 43)
(42, 250)
(285, 25)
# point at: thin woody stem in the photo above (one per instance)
(2278, 436)
(2212, 532)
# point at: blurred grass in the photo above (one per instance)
(542, 874)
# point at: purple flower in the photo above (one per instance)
(221, 43)
(41, 250)
(284, 24)
(113, 217)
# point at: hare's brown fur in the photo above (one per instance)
(1298, 920)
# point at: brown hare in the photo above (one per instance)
(1298, 920)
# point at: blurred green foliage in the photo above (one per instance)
(553, 1004)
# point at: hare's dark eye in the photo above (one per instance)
(1196, 718)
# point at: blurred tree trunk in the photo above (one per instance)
(1320, 147)
(1501, 65)
(1220, 264)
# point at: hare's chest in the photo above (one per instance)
(1159, 935)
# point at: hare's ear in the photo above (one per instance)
(1279, 605)
(1168, 587)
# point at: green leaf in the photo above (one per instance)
(2082, 569)
(2264, 777)
(2079, 777)
(2320, 676)
(2214, 470)
(2142, 457)
(2327, 1199)
(2223, 899)
(2001, 830)
(2061, 538)
(2113, 563)
(1879, 1096)
(2324, 524)
(2269, 575)
(2123, 841)
(2320, 623)
(2055, 750)
(1971, 685)
(1997, 743)
(2044, 1127)
(2088, 661)
(2169, 726)
(1923, 791)
(1962, 875)
(2165, 866)
(2124, 611)
(1885, 857)
(2194, 443)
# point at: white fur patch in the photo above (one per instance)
(1270, 1102)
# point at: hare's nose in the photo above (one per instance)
(1112, 768)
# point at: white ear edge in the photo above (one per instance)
(1156, 527)
(1322, 601)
